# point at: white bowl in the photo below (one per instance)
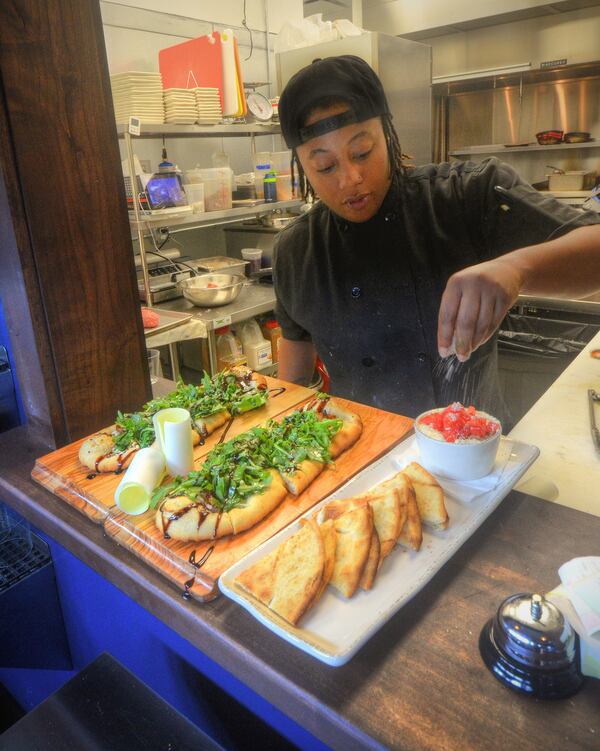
(457, 461)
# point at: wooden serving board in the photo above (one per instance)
(60, 473)
(93, 493)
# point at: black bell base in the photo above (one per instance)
(542, 684)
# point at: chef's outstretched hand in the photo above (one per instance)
(473, 305)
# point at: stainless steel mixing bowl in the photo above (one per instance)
(198, 291)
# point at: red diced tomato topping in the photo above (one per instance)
(457, 422)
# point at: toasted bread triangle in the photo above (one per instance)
(258, 578)
(298, 572)
(430, 496)
(372, 564)
(353, 542)
(411, 535)
(327, 530)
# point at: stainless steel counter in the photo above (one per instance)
(253, 300)
(589, 306)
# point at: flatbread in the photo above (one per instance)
(389, 516)
(430, 496)
(195, 524)
(372, 564)
(181, 518)
(258, 506)
(298, 572)
(389, 512)
(334, 509)
(411, 533)
(258, 579)
(252, 379)
(327, 530)
(207, 425)
(98, 452)
(94, 448)
(305, 473)
(353, 541)
(350, 431)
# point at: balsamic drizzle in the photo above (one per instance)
(196, 564)
(173, 516)
(225, 431)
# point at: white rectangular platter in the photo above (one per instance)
(336, 628)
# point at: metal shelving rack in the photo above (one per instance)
(497, 148)
(212, 218)
(141, 223)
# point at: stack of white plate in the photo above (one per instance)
(138, 94)
(208, 102)
(180, 106)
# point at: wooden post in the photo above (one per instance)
(67, 274)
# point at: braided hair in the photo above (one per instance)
(395, 156)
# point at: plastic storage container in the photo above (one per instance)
(284, 187)
(217, 188)
(271, 330)
(222, 265)
(221, 159)
(194, 175)
(281, 162)
(281, 165)
(195, 196)
(257, 349)
(254, 256)
(229, 349)
(572, 180)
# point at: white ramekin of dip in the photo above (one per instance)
(466, 459)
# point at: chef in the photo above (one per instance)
(395, 269)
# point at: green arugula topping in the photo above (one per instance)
(221, 392)
(239, 468)
(134, 429)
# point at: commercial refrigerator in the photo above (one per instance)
(404, 68)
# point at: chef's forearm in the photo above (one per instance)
(566, 267)
(296, 361)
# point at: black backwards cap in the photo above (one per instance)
(347, 78)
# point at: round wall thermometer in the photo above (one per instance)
(259, 106)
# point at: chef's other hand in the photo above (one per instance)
(473, 305)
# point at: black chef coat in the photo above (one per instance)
(368, 294)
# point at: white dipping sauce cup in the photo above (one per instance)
(457, 461)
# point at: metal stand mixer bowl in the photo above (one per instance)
(529, 647)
